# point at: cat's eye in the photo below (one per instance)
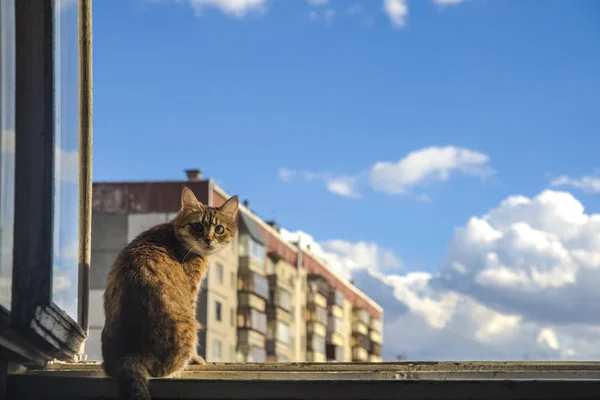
(219, 229)
(197, 227)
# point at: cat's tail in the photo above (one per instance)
(132, 379)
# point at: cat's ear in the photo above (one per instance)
(189, 200)
(230, 207)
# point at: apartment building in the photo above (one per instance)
(264, 299)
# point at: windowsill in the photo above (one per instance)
(443, 380)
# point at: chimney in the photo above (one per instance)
(273, 225)
(193, 174)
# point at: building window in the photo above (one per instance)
(283, 332)
(217, 350)
(284, 299)
(270, 267)
(218, 310)
(254, 283)
(338, 325)
(257, 250)
(253, 319)
(317, 344)
(219, 269)
(233, 280)
(232, 317)
(321, 315)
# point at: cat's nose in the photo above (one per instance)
(208, 240)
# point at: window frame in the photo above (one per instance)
(36, 330)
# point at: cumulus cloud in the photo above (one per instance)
(426, 165)
(341, 185)
(590, 184)
(397, 11)
(234, 8)
(518, 283)
(418, 168)
(286, 175)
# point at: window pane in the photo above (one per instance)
(66, 185)
(7, 147)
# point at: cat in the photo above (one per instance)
(150, 298)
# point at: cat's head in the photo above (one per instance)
(202, 229)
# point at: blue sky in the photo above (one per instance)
(241, 97)
(443, 153)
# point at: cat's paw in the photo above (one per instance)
(197, 360)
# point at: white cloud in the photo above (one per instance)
(286, 175)
(519, 282)
(234, 8)
(418, 168)
(397, 11)
(590, 184)
(318, 2)
(428, 164)
(341, 185)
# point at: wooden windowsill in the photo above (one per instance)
(432, 380)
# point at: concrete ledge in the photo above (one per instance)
(71, 388)
(328, 381)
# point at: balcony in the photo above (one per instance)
(317, 299)
(318, 284)
(375, 349)
(361, 341)
(251, 282)
(317, 314)
(251, 264)
(278, 349)
(282, 299)
(359, 354)
(316, 343)
(250, 300)
(336, 298)
(246, 339)
(375, 324)
(360, 314)
(336, 311)
(375, 336)
(360, 327)
(316, 328)
(277, 282)
(335, 338)
(252, 319)
(335, 353)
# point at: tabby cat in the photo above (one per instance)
(150, 298)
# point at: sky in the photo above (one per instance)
(440, 153)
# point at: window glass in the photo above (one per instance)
(66, 183)
(283, 332)
(7, 147)
(218, 308)
(219, 268)
(217, 350)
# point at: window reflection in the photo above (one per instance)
(66, 77)
(7, 147)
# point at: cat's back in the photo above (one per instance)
(147, 267)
